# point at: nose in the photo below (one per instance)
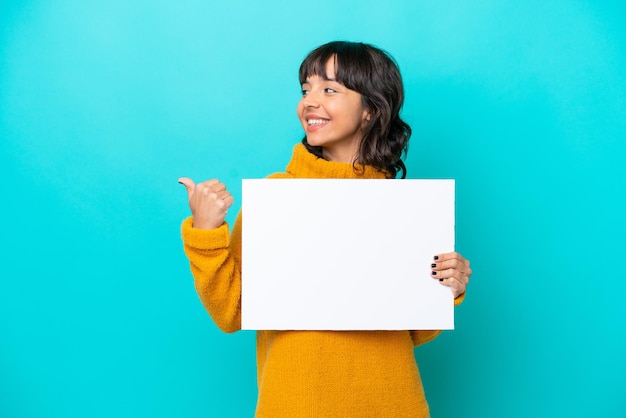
(309, 100)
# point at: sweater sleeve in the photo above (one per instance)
(424, 336)
(215, 261)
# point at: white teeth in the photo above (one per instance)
(316, 121)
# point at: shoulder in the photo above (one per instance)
(280, 176)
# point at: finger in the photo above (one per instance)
(223, 199)
(226, 202)
(452, 264)
(449, 274)
(452, 260)
(457, 286)
(450, 256)
(208, 187)
(188, 183)
(222, 194)
(217, 186)
(208, 184)
(448, 277)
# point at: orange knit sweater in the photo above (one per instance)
(310, 373)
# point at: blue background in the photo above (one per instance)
(103, 105)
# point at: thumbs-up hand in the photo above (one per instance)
(209, 202)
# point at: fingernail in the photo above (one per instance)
(434, 273)
(436, 257)
(441, 280)
(433, 265)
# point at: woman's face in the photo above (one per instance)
(332, 116)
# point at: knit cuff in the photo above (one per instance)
(204, 239)
(459, 299)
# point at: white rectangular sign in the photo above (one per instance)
(334, 254)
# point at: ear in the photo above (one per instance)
(367, 115)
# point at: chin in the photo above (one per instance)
(313, 142)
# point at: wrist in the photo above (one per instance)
(204, 224)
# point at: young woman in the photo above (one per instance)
(352, 94)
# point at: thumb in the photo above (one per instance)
(188, 183)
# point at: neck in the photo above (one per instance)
(340, 155)
(304, 164)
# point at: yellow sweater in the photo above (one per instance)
(322, 374)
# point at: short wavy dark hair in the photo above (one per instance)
(374, 74)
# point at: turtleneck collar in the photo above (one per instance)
(303, 164)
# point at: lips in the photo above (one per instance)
(315, 122)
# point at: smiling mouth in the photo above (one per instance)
(312, 122)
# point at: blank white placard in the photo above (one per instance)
(335, 254)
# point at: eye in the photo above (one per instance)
(304, 92)
(329, 90)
